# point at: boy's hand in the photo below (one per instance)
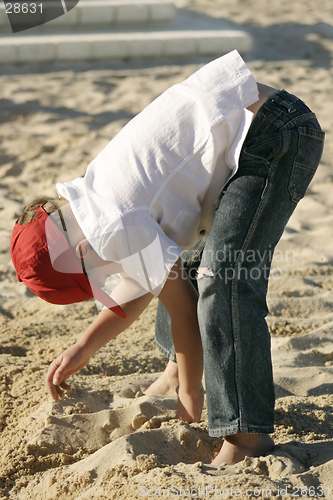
(105, 327)
(190, 406)
(69, 362)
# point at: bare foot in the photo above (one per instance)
(238, 446)
(167, 383)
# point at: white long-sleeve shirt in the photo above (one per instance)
(152, 191)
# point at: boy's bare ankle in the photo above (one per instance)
(167, 383)
(237, 446)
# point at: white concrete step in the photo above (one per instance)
(42, 48)
(103, 13)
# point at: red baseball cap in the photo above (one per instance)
(61, 280)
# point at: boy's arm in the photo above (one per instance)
(106, 326)
(180, 299)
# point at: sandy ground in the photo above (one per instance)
(105, 440)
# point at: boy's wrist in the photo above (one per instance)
(87, 346)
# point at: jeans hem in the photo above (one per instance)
(250, 429)
(171, 356)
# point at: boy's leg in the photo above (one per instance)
(278, 159)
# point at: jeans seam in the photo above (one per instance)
(168, 354)
(297, 119)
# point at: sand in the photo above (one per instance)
(106, 439)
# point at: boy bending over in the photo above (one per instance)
(186, 203)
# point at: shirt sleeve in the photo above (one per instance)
(139, 244)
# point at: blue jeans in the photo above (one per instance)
(230, 268)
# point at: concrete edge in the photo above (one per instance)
(90, 47)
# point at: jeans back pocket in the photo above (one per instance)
(310, 149)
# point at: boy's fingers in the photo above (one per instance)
(65, 386)
(51, 371)
(57, 391)
(49, 381)
(60, 374)
(50, 374)
(60, 392)
(52, 390)
(56, 379)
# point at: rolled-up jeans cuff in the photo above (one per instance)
(235, 429)
(171, 355)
